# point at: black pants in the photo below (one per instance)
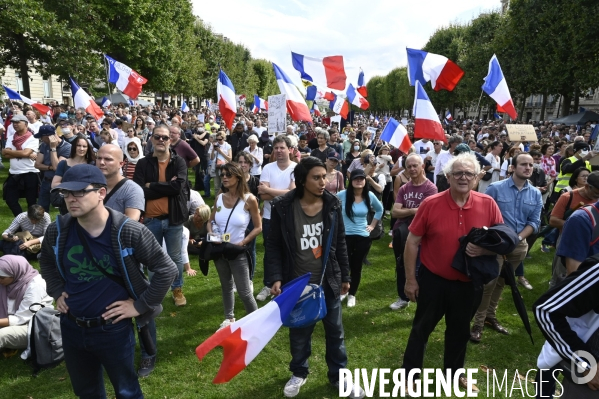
(357, 249)
(438, 297)
(18, 186)
(400, 236)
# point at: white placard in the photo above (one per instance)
(201, 118)
(277, 113)
(336, 118)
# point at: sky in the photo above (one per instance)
(371, 35)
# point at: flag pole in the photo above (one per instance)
(480, 98)
(106, 70)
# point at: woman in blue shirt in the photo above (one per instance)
(356, 201)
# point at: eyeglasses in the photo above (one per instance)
(220, 139)
(76, 194)
(228, 175)
(132, 149)
(467, 175)
(161, 138)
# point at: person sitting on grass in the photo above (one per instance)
(26, 232)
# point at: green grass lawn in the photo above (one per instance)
(375, 338)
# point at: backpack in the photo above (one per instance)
(45, 339)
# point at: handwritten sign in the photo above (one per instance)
(277, 113)
(521, 133)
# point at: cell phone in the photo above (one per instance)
(10, 235)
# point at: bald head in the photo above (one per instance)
(109, 160)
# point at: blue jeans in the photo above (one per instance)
(207, 184)
(300, 341)
(89, 350)
(44, 194)
(265, 231)
(162, 230)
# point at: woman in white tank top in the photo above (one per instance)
(232, 212)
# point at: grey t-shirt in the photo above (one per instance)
(129, 195)
(308, 243)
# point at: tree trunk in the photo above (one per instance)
(23, 68)
(522, 108)
(543, 106)
(566, 101)
(576, 100)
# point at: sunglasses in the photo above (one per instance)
(161, 138)
(220, 139)
(132, 149)
(228, 175)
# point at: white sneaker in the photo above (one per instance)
(263, 294)
(390, 233)
(252, 287)
(342, 297)
(234, 288)
(355, 391)
(293, 386)
(399, 304)
(225, 323)
(351, 301)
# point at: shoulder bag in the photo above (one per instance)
(311, 306)
(211, 251)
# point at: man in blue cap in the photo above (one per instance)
(95, 278)
(53, 149)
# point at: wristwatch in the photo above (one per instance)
(53, 149)
(520, 237)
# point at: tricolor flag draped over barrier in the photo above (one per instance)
(83, 100)
(243, 340)
(184, 107)
(427, 124)
(361, 86)
(396, 134)
(441, 71)
(356, 98)
(496, 87)
(14, 95)
(339, 106)
(126, 79)
(296, 106)
(259, 103)
(327, 71)
(227, 101)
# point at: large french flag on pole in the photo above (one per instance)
(296, 105)
(259, 103)
(243, 340)
(126, 79)
(361, 86)
(496, 87)
(442, 72)
(15, 95)
(327, 71)
(83, 100)
(356, 98)
(427, 124)
(227, 100)
(396, 134)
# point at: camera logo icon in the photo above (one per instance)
(578, 376)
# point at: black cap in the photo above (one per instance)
(357, 173)
(593, 179)
(580, 145)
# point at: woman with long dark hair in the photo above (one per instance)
(356, 202)
(232, 211)
(244, 160)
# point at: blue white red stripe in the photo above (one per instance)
(439, 70)
(427, 124)
(227, 100)
(184, 107)
(259, 103)
(339, 106)
(296, 106)
(327, 71)
(356, 98)
(83, 100)
(396, 134)
(496, 87)
(315, 110)
(361, 86)
(448, 116)
(126, 79)
(243, 340)
(16, 96)
(106, 102)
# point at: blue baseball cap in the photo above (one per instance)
(79, 177)
(45, 130)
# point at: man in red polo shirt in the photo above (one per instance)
(440, 289)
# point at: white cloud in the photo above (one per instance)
(372, 35)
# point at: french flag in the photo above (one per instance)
(243, 340)
(126, 79)
(496, 87)
(427, 124)
(441, 71)
(312, 93)
(315, 110)
(327, 71)
(106, 102)
(296, 106)
(83, 100)
(361, 86)
(227, 103)
(448, 116)
(339, 106)
(184, 107)
(356, 98)
(497, 116)
(259, 103)
(396, 134)
(14, 95)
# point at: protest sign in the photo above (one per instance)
(277, 113)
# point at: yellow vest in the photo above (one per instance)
(563, 179)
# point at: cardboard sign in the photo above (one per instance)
(277, 113)
(521, 133)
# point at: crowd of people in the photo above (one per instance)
(135, 183)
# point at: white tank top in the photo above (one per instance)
(240, 218)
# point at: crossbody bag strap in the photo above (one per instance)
(88, 252)
(115, 189)
(327, 249)
(231, 213)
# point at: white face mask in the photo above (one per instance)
(356, 148)
(66, 130)
(584, 152)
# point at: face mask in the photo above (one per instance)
(356, 148)
(66, 130)
(584, 152)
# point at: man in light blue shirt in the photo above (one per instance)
(520, 204)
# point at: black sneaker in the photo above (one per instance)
(146, 366)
